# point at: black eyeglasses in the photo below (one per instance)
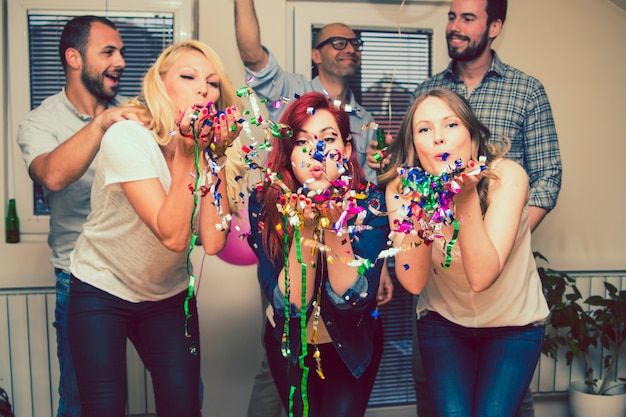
(340, 43)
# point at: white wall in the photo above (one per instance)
(575, 47)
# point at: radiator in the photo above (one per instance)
(554, 376)
(29, 370)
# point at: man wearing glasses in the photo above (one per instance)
(337, 55)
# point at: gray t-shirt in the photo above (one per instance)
(116, 251)
(43, 129)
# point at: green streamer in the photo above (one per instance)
(292, 390)
(450, 244)
(303, 343)
(285, 349)
(194, 235)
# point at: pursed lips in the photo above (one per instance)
(317, 171)
(442, 156)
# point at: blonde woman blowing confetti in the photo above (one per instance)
(462, 236)
(159, 185)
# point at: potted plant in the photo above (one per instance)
(580, 331)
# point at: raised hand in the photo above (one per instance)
(214, 130)
(226, 128)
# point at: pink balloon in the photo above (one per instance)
(237, 251)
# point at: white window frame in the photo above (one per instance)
(18, 79)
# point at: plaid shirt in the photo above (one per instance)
(514, 105)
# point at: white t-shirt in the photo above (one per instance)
(116, 252)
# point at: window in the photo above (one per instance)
(34, 28)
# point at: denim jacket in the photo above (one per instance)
(351, 318)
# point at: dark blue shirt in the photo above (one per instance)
(351, 318)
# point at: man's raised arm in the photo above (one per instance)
(249, 36)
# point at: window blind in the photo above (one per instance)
(394, 383)
(144, 36)
(392, 66)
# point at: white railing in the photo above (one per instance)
(29, 369)
(554, 376)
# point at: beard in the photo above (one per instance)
(472, 51)
(95, 85)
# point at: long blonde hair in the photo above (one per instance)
(159, 114)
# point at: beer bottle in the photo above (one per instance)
(380, 138)
(12, 224)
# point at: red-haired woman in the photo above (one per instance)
(316, 232)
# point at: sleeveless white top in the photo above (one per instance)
(515, 299)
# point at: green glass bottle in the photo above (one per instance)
(380, 138)
(12, 224)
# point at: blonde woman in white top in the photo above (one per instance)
(481, 307)
(131, 276)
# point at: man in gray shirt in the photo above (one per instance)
(337, 55)
(59, 140)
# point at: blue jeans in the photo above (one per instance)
(339, 395)
(264, 399)
(99, 326)
(69, 401)
(477, 372)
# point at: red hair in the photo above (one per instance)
(295, 116)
